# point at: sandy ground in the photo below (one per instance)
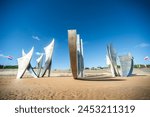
(97, 85)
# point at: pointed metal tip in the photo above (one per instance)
(53, 41)
(32, 47)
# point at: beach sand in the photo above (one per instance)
(97, 85)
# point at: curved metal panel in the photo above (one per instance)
(48, 52)
(30, 68)
(82, 58)
(126, 62)
(39, 64)
(80, 65)
(23, 63)
(112, 60)
(72, 39)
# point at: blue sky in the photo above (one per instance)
(27, 23)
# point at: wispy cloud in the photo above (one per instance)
(36, 38)
(1, 55)
(38, 53)
(4, 56)
(143, 45)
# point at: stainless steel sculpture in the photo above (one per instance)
(24, 64)
(39, 64)
(72, 39)
(48, 60)
(76, 54)
(80, 60)
(126, 63)
(30, 68)
(112, 60)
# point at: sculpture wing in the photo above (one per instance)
(72, 39)
(23, 63)
(126, 62)
(48, 51)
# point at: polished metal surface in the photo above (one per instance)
(126, 62)
(72, 39)
(39, 64)
(112, 60)
(24, 64)
(48, 60)
(76, 54)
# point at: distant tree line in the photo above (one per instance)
(93, 68)
(8, 66)
(141, 66)
(135, 66)
(86, 68)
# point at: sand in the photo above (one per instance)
(97, 85)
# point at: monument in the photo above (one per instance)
(39, 64)
(111, 59)
(126, 63)
(76, 54)
(80, 57)
(24, 64)
(48, 60)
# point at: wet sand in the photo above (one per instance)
(97, 85)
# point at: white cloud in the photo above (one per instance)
(36, 38)
(3, 56)
(143, 45)
(38, 53)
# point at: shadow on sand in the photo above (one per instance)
(101, 78)
(136, 75)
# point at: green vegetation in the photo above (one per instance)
(135, 66)
(141, 66)
(9, 67)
